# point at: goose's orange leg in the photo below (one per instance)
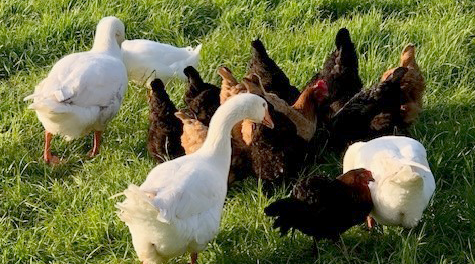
(47, 156)
(97, 143)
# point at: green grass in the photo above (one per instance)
(64, 214)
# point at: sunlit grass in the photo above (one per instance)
(64, 214)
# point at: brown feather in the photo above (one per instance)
(412, 85)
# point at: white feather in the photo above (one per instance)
(83, 91)
(178, 207)
(403, 184)
(146, 60)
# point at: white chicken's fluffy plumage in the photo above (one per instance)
(83, 91)
(147, 60)
(403, 184)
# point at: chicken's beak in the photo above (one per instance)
(267, 121)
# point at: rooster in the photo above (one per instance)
(324, 208)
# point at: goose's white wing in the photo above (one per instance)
(184, 188)
(84, 79)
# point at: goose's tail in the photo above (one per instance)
(192, 60)
(137, 207)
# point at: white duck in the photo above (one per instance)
(178, 207)
(147, 60)
(83, 91)
(403, 184)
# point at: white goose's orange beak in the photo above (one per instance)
(267, 121)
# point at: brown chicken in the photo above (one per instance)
(324, 208)
(279, 153)
(412, 85)
(194, 132)
(165, 129)
(229, 85)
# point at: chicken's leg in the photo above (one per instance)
(97, 143)
(315, 251)
(194, 257)
(47, 156)
(370, 222)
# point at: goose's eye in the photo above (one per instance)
(264, 104)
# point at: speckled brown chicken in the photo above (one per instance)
(279, 153)
(324, 208)
(412, 85)
(164, 129)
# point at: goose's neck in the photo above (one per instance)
(106, 42)
(218, 140)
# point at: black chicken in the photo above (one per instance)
(165, 128)
(370, 113)
(340, 72)
(272, 77)
(202, 98)
(324, 208)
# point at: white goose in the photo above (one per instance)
(147, 60)
(178, 207)
(83, 91)
(403, 184)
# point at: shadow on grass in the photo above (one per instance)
(334, 10)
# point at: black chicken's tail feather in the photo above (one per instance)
(258, 48)
(289, 213)
(193, 76)
(342, 38)
(157, 85)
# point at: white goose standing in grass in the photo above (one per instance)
(403, 184)
(178, 207)
(83, 91)
(147, 60)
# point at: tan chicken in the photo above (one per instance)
(194, 132)
(301, 112)
(412, 85)
(229, 85)
(242, 132)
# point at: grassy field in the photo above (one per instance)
(64, 214)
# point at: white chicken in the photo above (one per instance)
(178, 207)
(83, 91)
(147, 60)
(403, 184)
